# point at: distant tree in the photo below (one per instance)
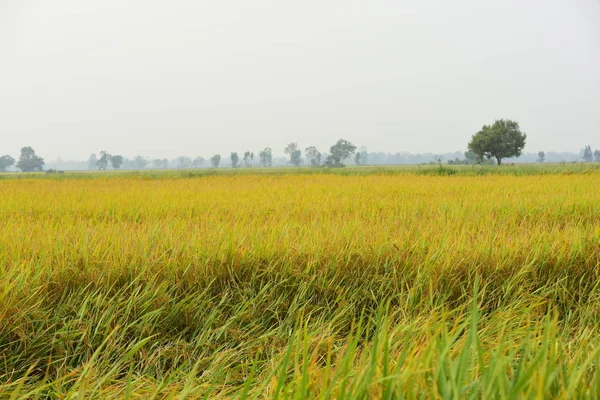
(501, 140)
(248, 158)
(102, 162)
(184, 162)
(597, 155)
(157, 163)
(198, 161)
(357, 158)
(364, 155)
(235, 159)
(471, 157)
(437, 159)
(215, 160)
(588, 155)
(6, 162)
(266, 157)
(295, 154)
(140, 162)
(29, 161)
(116, 161)
(165, 163)
(92, 161)
(339, 153)
(541, 157)
(313, 155)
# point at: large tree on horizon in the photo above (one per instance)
(340, 152)
(503, 139)
(29, 161)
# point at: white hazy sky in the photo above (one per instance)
(196, 77)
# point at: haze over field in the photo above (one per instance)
(165, 79)
(205, 199)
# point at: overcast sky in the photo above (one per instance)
(193, 77)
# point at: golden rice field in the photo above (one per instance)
(328, 286)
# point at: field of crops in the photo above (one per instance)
(326, 285)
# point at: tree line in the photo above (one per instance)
(490, 145)
(339, 153)
(28, 161)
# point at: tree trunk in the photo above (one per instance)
(499, 160)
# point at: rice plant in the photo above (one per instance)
(328, 285)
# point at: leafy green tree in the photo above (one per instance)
(266, 157)
(116, 161)
(541, 157)
(235, 159)
(597, 155)
(215, 160)
(339, 153)
(6, 162)
(503, 139)
(588, 155)
(29, 161)
(102, 162)
(295, 154)
(313, 155)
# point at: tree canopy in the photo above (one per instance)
(266, 157)
(503, 139)
(235, 160)
(102, 162)
(340, 152)
(541, 156)
(6, 162)
(29, 161)
(295, 154)
(215, 160)
(116, 161)
(313, 155)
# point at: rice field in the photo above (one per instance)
(305, 285)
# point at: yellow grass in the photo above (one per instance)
(220, 276)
